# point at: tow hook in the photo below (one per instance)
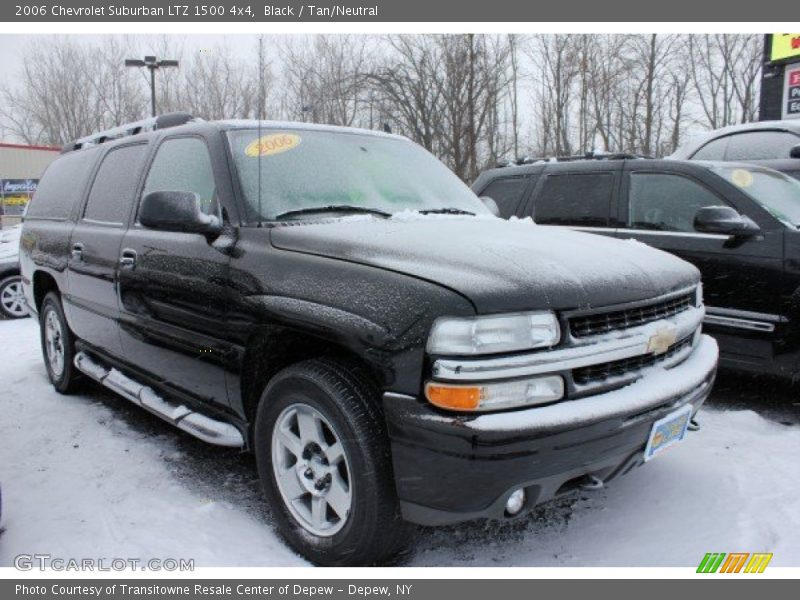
(693, 425)
(592, 483)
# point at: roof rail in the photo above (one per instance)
(160, 122)
(527, 160)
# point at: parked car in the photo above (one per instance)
(773, 144)
(735, 222)
(12, 301)
(339, 303)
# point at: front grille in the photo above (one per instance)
(595, 374)
(599, 323)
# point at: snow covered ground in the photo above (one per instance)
(93, 476)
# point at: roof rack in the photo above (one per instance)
(160, 122)
(527, 160)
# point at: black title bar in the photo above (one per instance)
(315, 11)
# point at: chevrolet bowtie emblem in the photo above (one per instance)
(661, 341)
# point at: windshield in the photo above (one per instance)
(776, 192)
(303, 170)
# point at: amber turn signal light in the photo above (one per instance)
(453, 397)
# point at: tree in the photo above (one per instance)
(58, 98)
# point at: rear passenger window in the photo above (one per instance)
(665, 202)
(115, 184)
(62, 185)
(761, 145)
(183, 165)
(581, 199)
(713, 150)
(507, 193)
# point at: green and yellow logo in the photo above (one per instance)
(735, 562)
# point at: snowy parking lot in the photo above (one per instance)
(91, 475)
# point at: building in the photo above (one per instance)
(21, 166)
(780, 81)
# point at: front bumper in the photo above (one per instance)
(451, 468)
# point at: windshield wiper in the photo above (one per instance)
(340, 208)
(445, 211)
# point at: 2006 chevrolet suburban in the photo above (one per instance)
(339, 303)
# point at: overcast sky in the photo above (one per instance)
(11, 46)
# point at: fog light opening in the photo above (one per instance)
(515, 502)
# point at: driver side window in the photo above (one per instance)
(184, 165)
(666, 202)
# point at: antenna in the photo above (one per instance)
(260, 117)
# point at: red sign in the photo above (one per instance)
(794, 78)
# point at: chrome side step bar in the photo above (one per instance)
(202, 427)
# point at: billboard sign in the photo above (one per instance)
(15, 195)
(784, 46)
(791, 92)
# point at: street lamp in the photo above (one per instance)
(151, 63)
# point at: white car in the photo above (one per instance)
(12, 302)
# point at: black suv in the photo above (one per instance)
(773, 144)
(339, 303)
(737, 223)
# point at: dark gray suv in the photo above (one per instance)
(773, 144)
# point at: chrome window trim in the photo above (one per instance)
(746, 314)
(739, 323)
(688, 234)
(743, 319)
(618, 345)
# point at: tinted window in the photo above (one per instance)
(575, 199)
(62, 185)
(507, 193)
(761, 145)
(183, 165)
(713, 150)
(663, 202)
(115, 184)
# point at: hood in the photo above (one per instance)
(499, 265)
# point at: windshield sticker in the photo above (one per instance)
(274, 143)
(742, 178)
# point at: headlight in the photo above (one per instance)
(495, 396)
(699, 295)
(493, 334)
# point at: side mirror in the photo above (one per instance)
(724, 220)
(795, 152)
(491, 205)
(177, 211)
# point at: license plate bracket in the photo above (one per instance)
(668, 431)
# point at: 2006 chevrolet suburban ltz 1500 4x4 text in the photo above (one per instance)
(339, 303)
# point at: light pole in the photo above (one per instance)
(151, 63)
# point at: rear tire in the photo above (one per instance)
(323, 459)
(58, 345)
(12, 302)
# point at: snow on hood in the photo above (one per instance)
(499, 265)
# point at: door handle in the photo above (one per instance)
(77, 251)
(128, 258)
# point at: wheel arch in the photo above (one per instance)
(271, 349)
(43, 283)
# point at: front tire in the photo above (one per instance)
(12, 301)
(58, 345)
(323, 459)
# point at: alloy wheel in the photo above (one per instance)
(311, 470)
